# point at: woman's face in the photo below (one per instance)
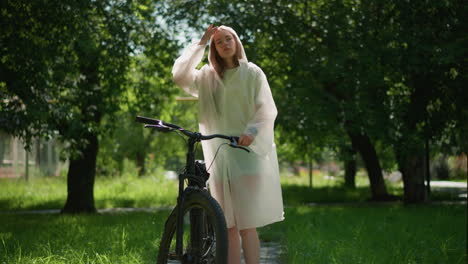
(225, 44)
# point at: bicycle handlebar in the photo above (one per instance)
(168, 127)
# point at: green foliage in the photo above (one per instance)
(68, 65)
(34, 49)
(147, 148)
(391, 70)
(336, 67)
(425, 99)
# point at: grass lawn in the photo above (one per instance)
(39, 238)
(372, 234)
(358, 233)
(155, 191)
(319, 234)
(51, 193)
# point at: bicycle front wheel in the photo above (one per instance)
(205, 235)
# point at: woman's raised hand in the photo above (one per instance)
(208, 33)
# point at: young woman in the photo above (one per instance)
(235, 99)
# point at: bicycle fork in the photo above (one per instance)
(196, 232)
(196, 215)
(180, 217)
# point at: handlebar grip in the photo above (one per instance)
(237, 146)
(147, 120)
(152, 121)
(160, 128)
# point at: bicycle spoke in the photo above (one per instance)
(209, 241)
(205, 225)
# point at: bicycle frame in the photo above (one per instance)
(190, 173)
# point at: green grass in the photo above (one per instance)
(296, 190)
(107, 238)
(320, 234)
(155, 191)
(50, 193)
(372, 234)
(357, 233)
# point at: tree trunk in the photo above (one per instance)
(413, 179)
(350, 173)
(141, 153)
(80, 179)
(2, 145)
(2, 150)
(411, 150)
(296, 169)
(311, 172)
(411, 164)
(427, 168)
(363, 145)
(350, 166)
(140, 162)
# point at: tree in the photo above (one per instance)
(366, 73)
(64, 68)
(427, 97)
(313, 56)
(149, 92)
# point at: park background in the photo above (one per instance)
(372, 108)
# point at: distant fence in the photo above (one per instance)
(41, 160)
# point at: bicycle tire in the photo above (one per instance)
(214, 229)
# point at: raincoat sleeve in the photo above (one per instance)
(261, 125)
(184, 72)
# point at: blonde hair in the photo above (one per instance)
(216, 61)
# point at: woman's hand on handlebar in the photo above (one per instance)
(245, 140)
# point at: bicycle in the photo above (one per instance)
(208, 241)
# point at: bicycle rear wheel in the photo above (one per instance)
(205, 234)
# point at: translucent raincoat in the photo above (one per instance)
(246, 185)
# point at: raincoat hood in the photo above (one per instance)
(239, 48)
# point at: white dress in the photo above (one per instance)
(246, 185)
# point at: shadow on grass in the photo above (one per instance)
(134, 203)
(294, 195)
(13, 204)
(448, 194)
(299, 194)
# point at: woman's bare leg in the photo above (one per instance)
(250, 245)
(234, 252)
